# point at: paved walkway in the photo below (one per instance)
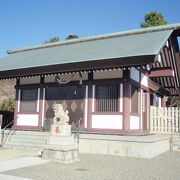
(16, 159)
(7, 177)
(101, 167)
(22, 162)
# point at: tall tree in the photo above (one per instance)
(72, 36)
(153, 19)
(54, 39)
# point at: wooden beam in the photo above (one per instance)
(157, 88)
(160, 73)
(79, 66)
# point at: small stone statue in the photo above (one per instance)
(60, 116)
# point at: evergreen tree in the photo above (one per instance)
(54, 39)
(72, 36)
(153, 19)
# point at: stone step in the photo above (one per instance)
(26, 144)
(175, 139)
(35, 133)
(176, 143)
(29, 140)
(176, 147)
(31, 136)
(26, 140)
(22, 136)
(9, 146)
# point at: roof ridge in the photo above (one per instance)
(99, 37)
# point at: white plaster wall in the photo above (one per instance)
(134, 122)
(134, 74)
(38, 100)
(107, 121)
(34, 80)
(159, 101)
(48, 79)
(144, 80)
(108, 74)
(27, 120)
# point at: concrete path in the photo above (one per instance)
(7, 177)
(22, 162)
(15, 159)
(98, 167)
(6, 154)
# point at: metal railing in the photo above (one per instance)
(3, 137)
(76, 129)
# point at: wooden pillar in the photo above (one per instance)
(148, 110)
(90, 86)
(163, 101)
(41, 111)
(16, 102)
(126, 101)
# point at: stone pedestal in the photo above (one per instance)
(61, 145)
(62, 154)
(60, 130)
(64, 140)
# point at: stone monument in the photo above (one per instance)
(61, 146)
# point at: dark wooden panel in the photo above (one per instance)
(72, 99)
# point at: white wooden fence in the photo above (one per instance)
(164, 120)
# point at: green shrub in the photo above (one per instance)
(7, 105)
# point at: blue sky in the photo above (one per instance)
(29, 22)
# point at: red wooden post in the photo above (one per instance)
(126, 100)
(16, 102)
(163, 101)
(89, 118)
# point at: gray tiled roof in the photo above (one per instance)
(116, 45)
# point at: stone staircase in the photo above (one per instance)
(176, 142)
(25, 140)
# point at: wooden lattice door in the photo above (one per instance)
(72, 99)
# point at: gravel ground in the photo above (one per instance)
(101, 167)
